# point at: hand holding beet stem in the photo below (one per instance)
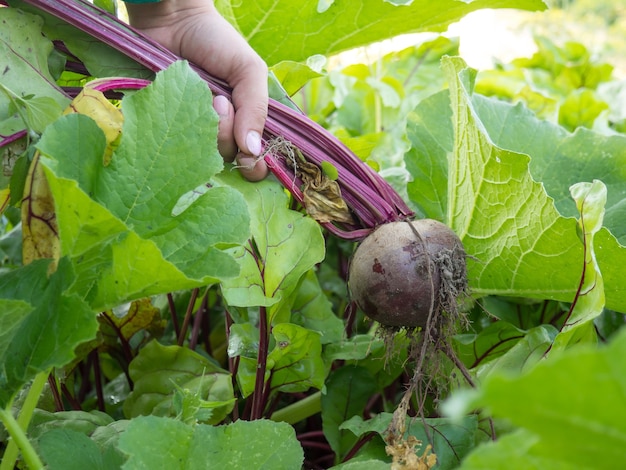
(195, 30)
(370, 198)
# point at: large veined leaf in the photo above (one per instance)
(295, 30)
(521, 244)
(571, 408)
(116, 221)
(42, 323)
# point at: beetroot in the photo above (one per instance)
(407, 272)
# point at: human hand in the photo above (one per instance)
(195, 30)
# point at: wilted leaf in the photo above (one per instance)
(40, 231)
(322, 195)
(141, 314)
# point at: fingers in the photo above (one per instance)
(252, 167)
(250, 97)
(225, 138)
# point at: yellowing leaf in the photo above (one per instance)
(40, 235)
(141, 315)
(94, 104)
(5, 197)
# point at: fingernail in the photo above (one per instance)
(253, 141)
(220, 104)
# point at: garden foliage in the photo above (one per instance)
(156, 310)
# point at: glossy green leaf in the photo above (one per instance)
(82, 422)
(45, 334)
(287, 244)
(162, 374)
(109, 214)
(153, 442)
(296, 360)
(312, 310)
(314, 30)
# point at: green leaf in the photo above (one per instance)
(514, 451)
(101, 60)
(24, 56)
(45, 323)
(363, 465)
(426, 160)
(320, 28)
(66, 444)
(572, 405)
(110, 214)
(154, 442)
(451, 439)
(296, 361)
(13, 313)
(589, 303)
(347, 391)
(581, 108)
(312, 310)
(492, 342)
(504, 218)
(158, 372)
(65, 449)
(293, 75)
(523, 246)
(82, 422)
(287, 244)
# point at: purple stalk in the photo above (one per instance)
(369, 196)
(6, 140)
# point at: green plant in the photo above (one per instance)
(175, 321)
